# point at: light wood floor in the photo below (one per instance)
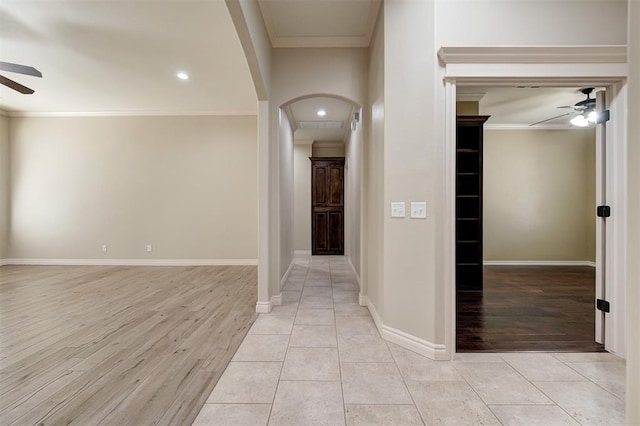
(117, 345)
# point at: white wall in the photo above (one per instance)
(186, 185)
(302, 195)
(299, 73)
(4, 186)
(530, 22)
(539, 195)
(353, 195)
(285, 142)
(633, 224)
(247, 19)
(410, 168)
(411, 270)
(373, 250)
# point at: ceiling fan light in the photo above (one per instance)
(579, 121)
(592, 117)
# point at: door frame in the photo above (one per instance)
(586, 66)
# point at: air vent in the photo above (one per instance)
(320, 124)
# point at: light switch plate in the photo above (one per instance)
(398, 209)
(419, 210)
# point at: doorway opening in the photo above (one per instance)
(525, 220)
(327, 175)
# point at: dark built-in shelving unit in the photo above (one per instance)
(469, 201)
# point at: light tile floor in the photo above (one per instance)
(318, 360)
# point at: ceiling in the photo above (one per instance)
(122, 57)
(521, 107)
(320, 23)
(305, 111)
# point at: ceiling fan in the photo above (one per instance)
(582, 107)
(19, 69)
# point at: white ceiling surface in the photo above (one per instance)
(107, 56)
(307, 109)
(518, 107)
(320, 23)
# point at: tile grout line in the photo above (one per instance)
(335, 324)
(404, 381)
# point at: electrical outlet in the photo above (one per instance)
(104, 248)
(149, 248)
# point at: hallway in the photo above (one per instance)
(318, 359)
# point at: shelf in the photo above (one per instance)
(468, 174)
(470, 264)
(468, 218)
(467, 196)
(466, 150)
(467, 241)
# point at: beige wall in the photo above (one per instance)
(302, 195)
(373, 247)
(299, 73)
(353, 196)
(500, 22)
(467, 108)
(633, 222)
(328, 151)
(410, 168)
(285, 142)
(4, 186)
(539, 195)
(186, 185)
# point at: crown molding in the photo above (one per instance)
(525, 126)
(532, 54)
(320, 41)
(469, 97)
(131, 114)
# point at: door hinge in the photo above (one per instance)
(603, 305)
(603, 211)
(603, 116)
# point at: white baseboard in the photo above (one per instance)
(276, 300)
(134, 262)
(4, 262)
(302, 253)
(286, 274)
(423, 347)
(355, 273)
(539, 263)
(362, 299)
(266, 307)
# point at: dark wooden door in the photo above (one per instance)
(327, 205)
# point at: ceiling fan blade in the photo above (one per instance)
(15, 85)
(549, 119)
(20, 69)
(566, 106)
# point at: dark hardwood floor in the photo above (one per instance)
(539, 308)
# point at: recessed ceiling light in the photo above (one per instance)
(321, 113)
(182, 75)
